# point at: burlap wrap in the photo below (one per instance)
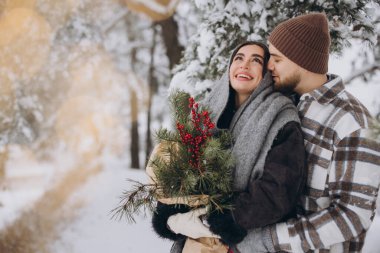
(201, 245)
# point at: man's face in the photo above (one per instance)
(286, 74)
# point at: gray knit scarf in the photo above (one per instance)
(254, 126)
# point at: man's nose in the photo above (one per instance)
(270, 64)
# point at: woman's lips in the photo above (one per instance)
(243, 76)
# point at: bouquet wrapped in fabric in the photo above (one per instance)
(191, 165)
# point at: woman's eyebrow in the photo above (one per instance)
(257, 55)
(252, 55)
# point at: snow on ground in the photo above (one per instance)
(94, 231)
(26, 181)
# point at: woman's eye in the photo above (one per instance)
(258, 60)
(238, 58)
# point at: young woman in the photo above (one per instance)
(268, 147)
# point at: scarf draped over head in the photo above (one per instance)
(254, 125)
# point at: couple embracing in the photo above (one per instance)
(307, 173)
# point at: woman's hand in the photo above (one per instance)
(190, 224)
(223, 224)
(160, 220)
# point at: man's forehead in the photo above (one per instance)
(274, 51)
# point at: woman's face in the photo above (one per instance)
(246, 70)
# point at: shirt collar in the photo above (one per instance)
(328, 91)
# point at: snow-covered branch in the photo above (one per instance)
(116, 19)
(371, 68)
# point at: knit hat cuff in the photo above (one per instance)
(294, 49)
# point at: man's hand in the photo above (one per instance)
(190, 225)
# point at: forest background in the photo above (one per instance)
(84, 86)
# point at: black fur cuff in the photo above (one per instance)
(223, 224)
(161, 216)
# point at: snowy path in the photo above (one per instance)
(95, 232)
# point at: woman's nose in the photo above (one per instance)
(244, 65)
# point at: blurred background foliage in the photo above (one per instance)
(90, 78)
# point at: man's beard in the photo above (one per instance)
(288, 85)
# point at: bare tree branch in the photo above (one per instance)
(117, 18)
(366, 69)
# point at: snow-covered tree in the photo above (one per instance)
(228, 22)
(369, 63)
(84, 39)
(54, 63)
(155, 47)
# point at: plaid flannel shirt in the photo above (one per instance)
(339, 202)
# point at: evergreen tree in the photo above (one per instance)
(227, 23)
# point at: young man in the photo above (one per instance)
(343, 161)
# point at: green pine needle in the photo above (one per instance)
(140, 199)
(175, 176)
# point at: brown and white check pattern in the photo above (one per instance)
(339, 202)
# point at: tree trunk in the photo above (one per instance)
(169, 29)
(135, 163)
(152, 90)
(169, 32)
(135, 139)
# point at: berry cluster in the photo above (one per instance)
(200, 131)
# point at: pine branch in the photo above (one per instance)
(140, 198)
(180, 105)
(115, 20)
(164, 134)
(220, 203)
(366, 69)
(190, 161)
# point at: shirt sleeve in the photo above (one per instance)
(273, 197)
(353, 186)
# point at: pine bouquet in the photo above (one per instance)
(191, 165)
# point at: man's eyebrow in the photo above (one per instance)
(275, 55)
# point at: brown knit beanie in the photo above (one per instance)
(305, 40)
